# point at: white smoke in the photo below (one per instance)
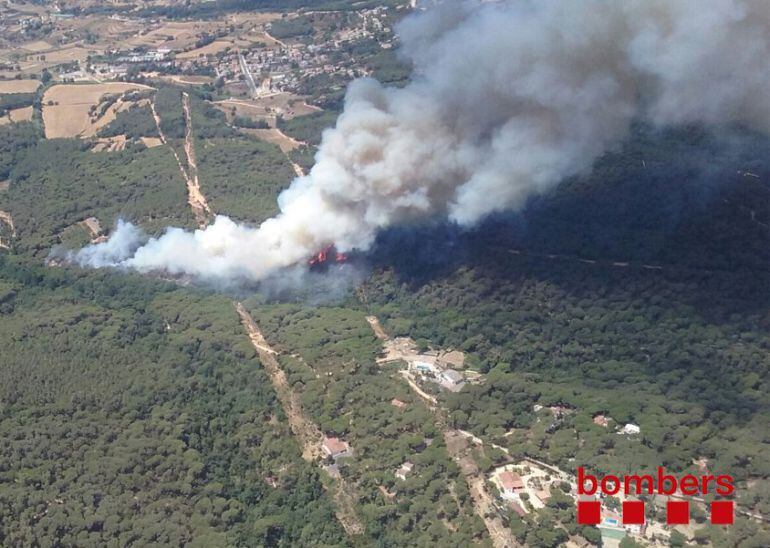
(507, 100)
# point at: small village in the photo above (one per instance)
(239, 53)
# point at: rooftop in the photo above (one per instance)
(511, 481)
(335, 446)
(397, 403)
(452, 375)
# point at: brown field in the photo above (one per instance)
(152, 142)
(109, 144)
(177, 35)
(36, 46)
(69, 115)
(19, 86)
(188, 80)
(247, 19)
(210, 49)
(67, 54)
(23, 114)
(245, 108)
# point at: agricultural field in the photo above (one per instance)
(67, 108)
(209, 49)
(23, 114)
(177, 36)
(19, 86)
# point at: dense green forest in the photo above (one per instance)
(57, 183)
(136, 413)
(134, 123)
(242, 176)
(329, 358)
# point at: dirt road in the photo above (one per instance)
(6, 218)
(459, 445)
(459, 448)
(305, 430)
(379, 332)
(195, 197)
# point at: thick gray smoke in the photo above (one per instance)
(507, 100)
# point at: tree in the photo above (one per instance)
(677, 539)
(592, 535)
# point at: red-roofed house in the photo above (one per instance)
(336, 448)
(511, 483)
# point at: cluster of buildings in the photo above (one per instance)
(525, 485)
(437, 366)
(528, 485)
(283, 68)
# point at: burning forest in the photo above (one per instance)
(547, 89)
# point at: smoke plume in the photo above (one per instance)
(506, 100)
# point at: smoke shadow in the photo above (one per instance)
(678, 212)
(683, 200)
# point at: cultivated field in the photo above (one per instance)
(68, 54)
(36, 46)
(23, 114)
(209, 49)
(69, 113)
(152, 142)
(176, 35)
(108, 144)
(19, 86)
(185, 80)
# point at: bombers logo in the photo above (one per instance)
(677, 511)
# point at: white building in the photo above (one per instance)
(404, 470)
(452, 380)
(631, 429)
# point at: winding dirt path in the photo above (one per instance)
(6, 218)
(459, 446)
(195, 197)
(305, 430)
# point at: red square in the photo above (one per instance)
(722, 512)
(678, 512)
(633, 512)
(589, 512)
